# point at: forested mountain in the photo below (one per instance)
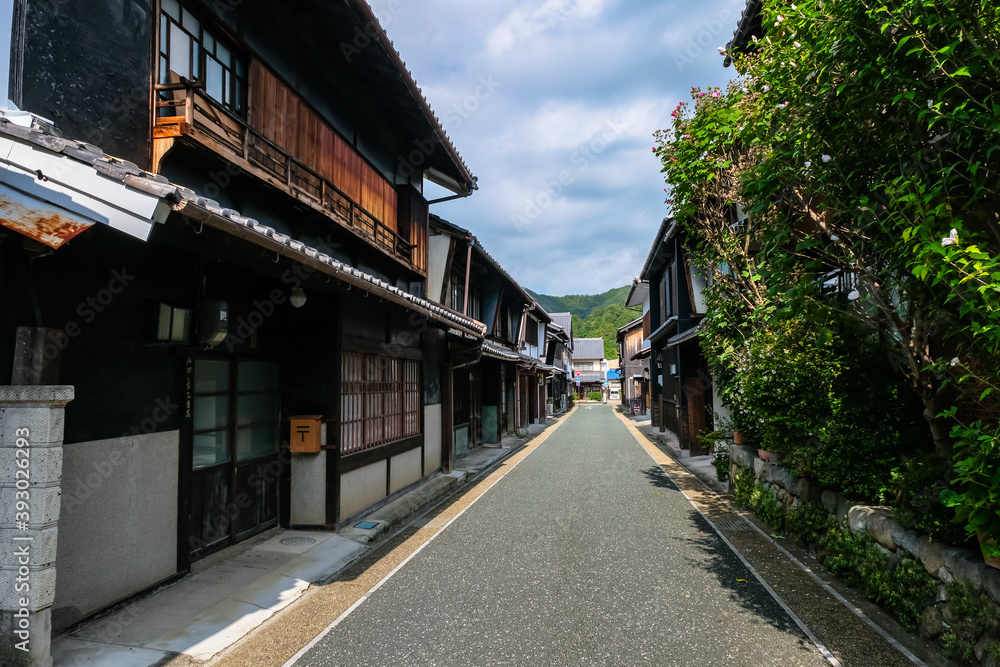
(594, 315)
(580, 304)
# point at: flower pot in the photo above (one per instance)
(737, 438)
(764, 455)
(984, 541)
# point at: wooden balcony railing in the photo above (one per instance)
(184, 111)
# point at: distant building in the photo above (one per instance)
(589, 365)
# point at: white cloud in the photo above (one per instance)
(525, 22)
(566, 68)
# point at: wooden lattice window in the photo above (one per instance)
(381, 401)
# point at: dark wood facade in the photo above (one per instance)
(680, 384)
(327, 148)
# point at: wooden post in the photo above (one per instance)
(447, 417)
(37, 354)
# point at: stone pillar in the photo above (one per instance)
(31, 435)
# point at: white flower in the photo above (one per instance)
(854, 295)
(780, 19)
(834, 237)
(797, 45)
(954, 361)
(766, 88)
(826, 158)
(808, 163)
(950, 239)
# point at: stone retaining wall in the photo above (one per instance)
(944, 563)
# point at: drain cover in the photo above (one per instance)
(731, 525)
(298, 541)
(365, 525)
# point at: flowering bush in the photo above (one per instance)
(862, 140)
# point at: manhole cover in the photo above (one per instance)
(298, 541)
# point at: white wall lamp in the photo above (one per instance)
(298, 297)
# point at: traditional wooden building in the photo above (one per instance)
(681, 387)
(559, 355)
(499, 386)
(633, 351)
(255, 251)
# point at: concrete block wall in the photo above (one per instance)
(31, 462)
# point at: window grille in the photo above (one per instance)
(381, 401)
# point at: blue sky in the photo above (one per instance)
(553, 104)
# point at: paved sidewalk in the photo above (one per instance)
(854, 629)
(229, 594)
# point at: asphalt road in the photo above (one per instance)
(584, 554)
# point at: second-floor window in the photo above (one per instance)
(195, 52)
(475, 304)
(666, 305)
(531, 332)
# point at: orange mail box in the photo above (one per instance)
(306, 436)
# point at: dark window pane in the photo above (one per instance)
(257, 376)
(210, 449)
(172, 8)
(256, 441)
(211, 412)
(211, 377)
(256, 408)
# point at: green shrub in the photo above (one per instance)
(594, 395)
(808, 523)
(770, 510)
(743, 487)
(756, 498)
(969, 607)
(722, 465)
(860, 563)
(919, 483)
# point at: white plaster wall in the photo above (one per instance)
(721, 411)
(361, 488)
(432, 438)
(118, 529)
(308, 492)
(405, 470)
(437, 260)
